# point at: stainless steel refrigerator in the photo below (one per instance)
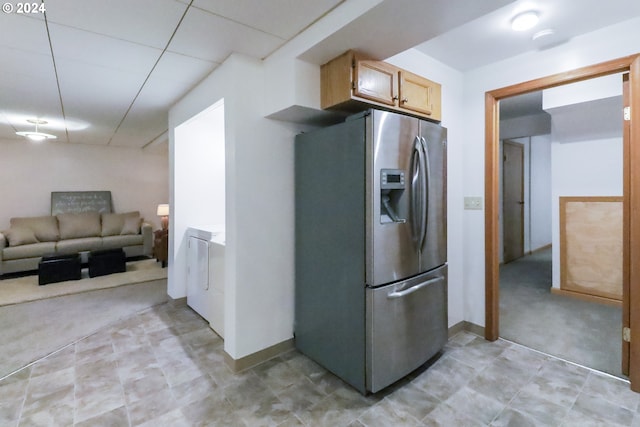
(371, 246)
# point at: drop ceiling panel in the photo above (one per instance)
(34, 65)
(96, 89)
(45, 103)
(141, 127)
(148, 117)
(96, 95)
(95, 49)
(28, 88)
(21, 32)
(282, 18)
(148, 22)
(207, 36)
(93, 135)
(174, 75)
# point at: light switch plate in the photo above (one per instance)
(473, 203)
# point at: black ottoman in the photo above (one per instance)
(58, 268)
(107, 261)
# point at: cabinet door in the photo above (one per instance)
(417, 93)
(375, 80)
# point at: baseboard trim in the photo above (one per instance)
(586, 297)
(467, 327)
(251, 360)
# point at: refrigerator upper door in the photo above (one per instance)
(433, 250)
(392, 252)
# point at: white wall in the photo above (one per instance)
(138, 180)
(451, 81)
(609, 43)
(199, 184)
(540, 192)
(259, 207)
(586, 168)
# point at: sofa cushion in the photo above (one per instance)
(115, 242)
(123, 223)
(83, 244)
(28, 251)
(19, 235)
(78, 225)
(45, 228)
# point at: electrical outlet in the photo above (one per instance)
(473, 203)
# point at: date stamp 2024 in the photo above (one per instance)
(24, 8)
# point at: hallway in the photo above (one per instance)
(583, 332)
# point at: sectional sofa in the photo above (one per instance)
(29, 238)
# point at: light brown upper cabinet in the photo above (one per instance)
(352, 82)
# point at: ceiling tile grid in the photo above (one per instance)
(211, 37)
(147, 22)
(121, 64)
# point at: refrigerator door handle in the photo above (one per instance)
(422, 210)
(416, 188)
(409, 291)
(427, 182)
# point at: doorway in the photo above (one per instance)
(631, 195)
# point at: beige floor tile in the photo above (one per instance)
(165, 367)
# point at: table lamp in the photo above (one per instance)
(163, 213)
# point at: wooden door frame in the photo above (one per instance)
(631, 193)
(521, 231)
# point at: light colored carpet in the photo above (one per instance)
(26, 288)
(583, 332)
(34, 329)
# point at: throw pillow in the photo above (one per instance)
(131, 224)
(77, 225)
(17, 236)
(120, 224)
(45, 228)
(112, 224)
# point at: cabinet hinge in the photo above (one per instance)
(627, 113)
(626, 334)
(353, 85)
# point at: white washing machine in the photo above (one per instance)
(205, 275)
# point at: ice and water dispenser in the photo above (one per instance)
(392, 194)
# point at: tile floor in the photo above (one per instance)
(164, 367)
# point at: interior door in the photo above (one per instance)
(513, 200)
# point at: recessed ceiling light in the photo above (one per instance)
(524, 21)
(36, 136)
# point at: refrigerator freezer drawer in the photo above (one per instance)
(406, 326)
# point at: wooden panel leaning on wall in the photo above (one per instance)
(591, 248)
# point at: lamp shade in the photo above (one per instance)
(163, 210)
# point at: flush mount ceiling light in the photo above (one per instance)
(36, 136)
(544, 33)
(524, 21)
